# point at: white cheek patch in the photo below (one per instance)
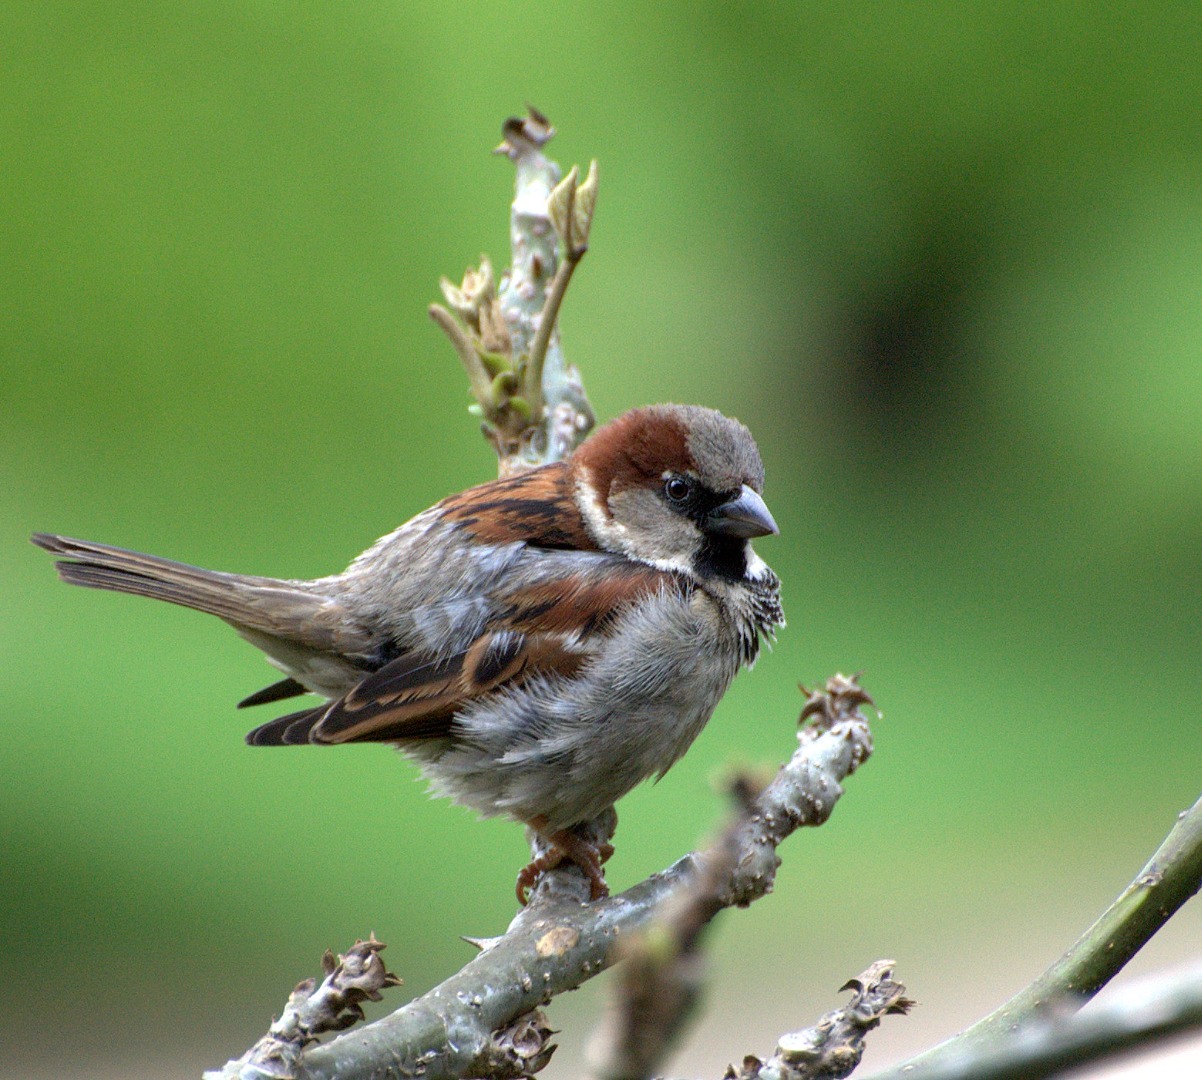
(607, 532)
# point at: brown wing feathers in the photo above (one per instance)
(416, 696)
(540, 628)
(535, 507)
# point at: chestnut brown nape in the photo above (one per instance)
(648, 441)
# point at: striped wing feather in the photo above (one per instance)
(546, 629)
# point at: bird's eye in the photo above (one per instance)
(677, 489)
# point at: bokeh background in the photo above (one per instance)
(945, 259)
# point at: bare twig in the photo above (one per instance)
(1134, 1017)
(658, 990)
(660, 986)
(833, 1047)
(1171, 877)
(558, 942)
(313, 1009)
(570, 208)
(805, 790)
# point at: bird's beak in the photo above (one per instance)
(745, 516)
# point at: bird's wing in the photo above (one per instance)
(547, 628)
(536, 507)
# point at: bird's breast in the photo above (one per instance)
(565, 748)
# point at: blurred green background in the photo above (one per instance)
(945, 259)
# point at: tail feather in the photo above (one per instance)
(290, 730)
(265, 604)
(277, 691)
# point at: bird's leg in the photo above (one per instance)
(567, 845)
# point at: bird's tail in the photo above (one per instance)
(267, 605)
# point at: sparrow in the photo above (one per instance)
(539, 644)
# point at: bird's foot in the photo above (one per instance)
(567, 846)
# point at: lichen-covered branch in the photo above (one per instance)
(1170, 878)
